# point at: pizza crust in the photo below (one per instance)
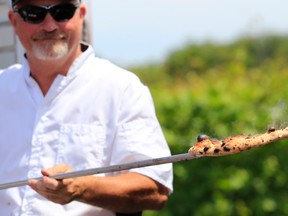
(235, 144)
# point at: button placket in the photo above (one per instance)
(34, 166)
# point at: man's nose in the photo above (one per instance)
(49, 24)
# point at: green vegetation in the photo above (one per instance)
(224, 90)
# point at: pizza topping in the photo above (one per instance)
(216, 150)
(206, 149)
(202, 137)
(271, 129)
(227, 149)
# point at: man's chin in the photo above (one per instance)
(53, 54)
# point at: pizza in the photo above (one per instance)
(205, 146)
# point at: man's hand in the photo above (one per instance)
(127, 192)
(58, 191)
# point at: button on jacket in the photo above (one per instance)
(97, 115)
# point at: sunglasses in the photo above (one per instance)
(35, 14)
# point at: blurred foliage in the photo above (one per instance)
(223, 90)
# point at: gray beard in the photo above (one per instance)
(51, 50)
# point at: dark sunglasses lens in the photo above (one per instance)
(36, 14)
(32, 14)
(63, 12)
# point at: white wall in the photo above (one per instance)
(8, 42)
(88, 22)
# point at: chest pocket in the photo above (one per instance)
(81, 146)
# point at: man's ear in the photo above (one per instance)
(11, 16)
(83, 11)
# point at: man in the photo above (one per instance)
(64, 109)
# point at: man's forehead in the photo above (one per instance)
(39, 1)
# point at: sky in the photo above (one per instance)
(133, 32)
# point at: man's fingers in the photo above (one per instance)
(51, 183)
(52, 189)
(45, 184)
(58, 169)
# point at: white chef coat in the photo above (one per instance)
(97, 115)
